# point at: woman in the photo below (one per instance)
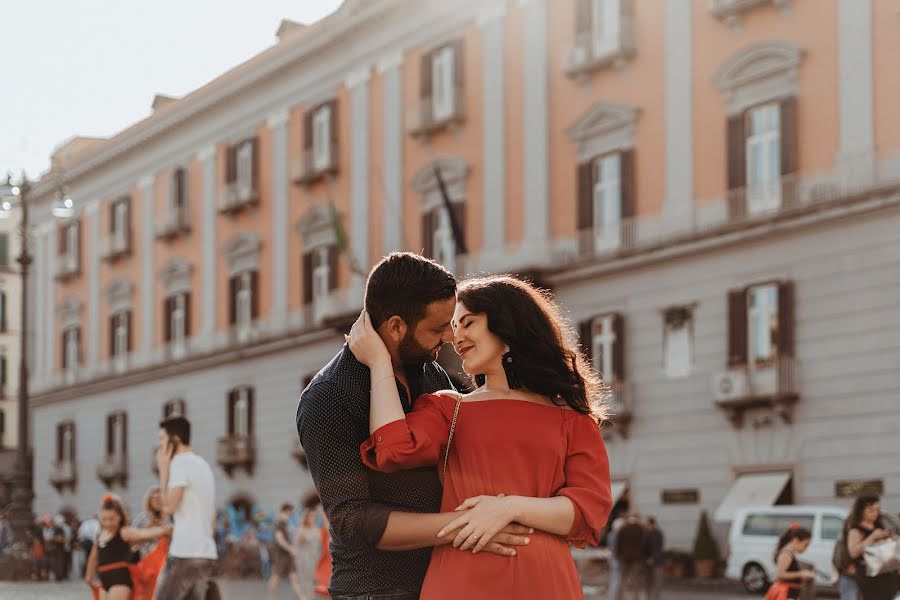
(153, 552)
(525, 446)
(864, 528)
(112, 556)
(789, 578)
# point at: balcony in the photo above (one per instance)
(769, 386)
(113, 469)
(422, 120)
(236, 451)
(305, 171)
(115, 245)
(237, 196)
(173, 224)
(67, 266)
(621, 413)
(62, 475)
(592, 52)
(730, 11)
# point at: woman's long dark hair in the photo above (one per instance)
(793, 533)
(862, 502)
(544, 358)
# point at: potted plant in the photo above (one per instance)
(706, 550)
(676, 563)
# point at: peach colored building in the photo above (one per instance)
(710, 187)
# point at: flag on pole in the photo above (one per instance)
(458, 234)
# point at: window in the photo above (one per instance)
(72, 238)
(321, 137)
(240, 411)
(241, 167)
(245, 153)
(2, 374)
(179, 190)
(605, 25)
(2, 311)
(71, 348)
(174, 408)
(773, 525)
(319, 273)
(120, 334)
(177, 318)
(603, 340)
(832, 527)
(763, 158)
(117, 434)
(761, 325)
(607, 199)
(443, 73)
(119, 218)
(244, 302)
(4, 250)
(65, 442)
(444, 245)
(678, 342)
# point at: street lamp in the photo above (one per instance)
(20, 514)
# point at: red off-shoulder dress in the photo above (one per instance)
(512, 447)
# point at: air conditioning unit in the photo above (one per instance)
(730, 385)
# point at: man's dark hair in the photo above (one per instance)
(177, 426)
(404, 284)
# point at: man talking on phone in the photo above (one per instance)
(188, 494)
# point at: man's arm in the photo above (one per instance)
(169, 497)
(343, 485)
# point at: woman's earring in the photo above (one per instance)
(507, 361)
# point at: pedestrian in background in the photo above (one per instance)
(87, 533)
(865, 527)
(615, 568)
(284, 556)
(654, 542)
(789, 577)
(633, 561)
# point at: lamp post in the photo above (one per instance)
(20, 514)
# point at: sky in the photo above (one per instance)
(92, 67)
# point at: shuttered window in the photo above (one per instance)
(603, 340)
(761, 324)
(240, 411)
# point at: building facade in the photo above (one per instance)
(709, 188)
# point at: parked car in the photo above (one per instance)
(754, 534)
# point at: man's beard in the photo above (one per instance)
(412, 353)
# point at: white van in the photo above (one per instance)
(755, 532)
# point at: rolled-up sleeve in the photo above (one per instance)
(340, 476)
(419, 440)
(587, 481)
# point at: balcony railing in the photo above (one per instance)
(175, 223)
(67, 265)
(737, 209)
(773, 385)
(304, 170)
(592, 52)
(236, 451)
(62, 474)
(115, 245)
(113, 469)
(421, 120)
(237, 196)
(621, 412)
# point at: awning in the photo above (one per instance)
(752, 489)
(618, 488)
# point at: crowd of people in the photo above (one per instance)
(636, 557)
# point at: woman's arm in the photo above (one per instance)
(134, 535)
(369, 349)
(782, 566)
(282, 541)
(856, 543)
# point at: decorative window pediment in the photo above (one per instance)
(241, 252)
(316, 227)
(453, 169)
(760, 73)
(176, 276)
(119, 295)
(605, 127)
(70, 311)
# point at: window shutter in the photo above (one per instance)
(307, 277)
(64, 361)
(786, 323)
(736, 144)
(585, 216)
(2, 311)
(425, 82)
(112, 335)
(618, 348)
(308, 130)
(254, 163)
(62, 240)
(332, 267)
(78, 343)
(4, 250)
(232, 398)
(110, 434)
(459, 214)
(60, 437)
(458, 66)
(232, 300)
(583, 17)
(251, 404)
(72, 444)
(585, 331)
(123, 443)
(788, 136)
(737, 328)
(181, 187)
(187, 314)
(254, 294)
(428, 234)
(112, 216)
(231, 164)
(628, 183)
(168, 305)
(333, 130)
(128, 230)
(128, 332)
(2, 371)
(77, 249)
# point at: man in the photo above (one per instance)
(632, 561)
(87, 533)
(284, 557)
(653, 550)
(187, 490)
(380, 546)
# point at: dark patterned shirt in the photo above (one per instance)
(332, 422)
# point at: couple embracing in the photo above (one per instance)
(435, 494)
